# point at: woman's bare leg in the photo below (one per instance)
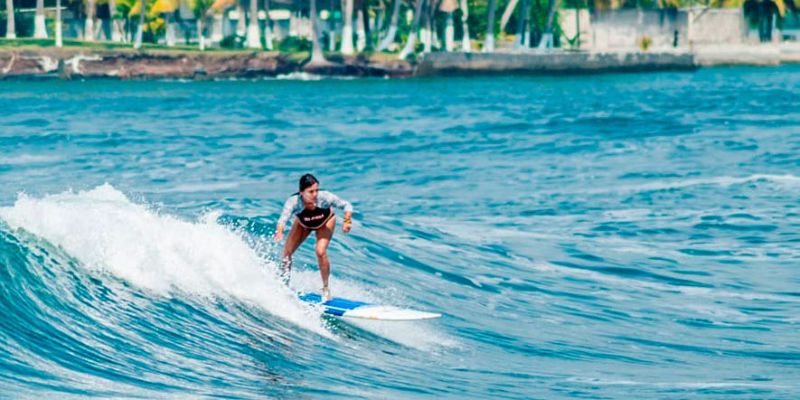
(324, 235)
(296, 237)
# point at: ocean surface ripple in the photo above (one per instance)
(619, 236)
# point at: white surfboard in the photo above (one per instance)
(358, 309)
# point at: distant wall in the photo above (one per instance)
(623, 29)
(569, 29)
(717, 26)
(550, 63)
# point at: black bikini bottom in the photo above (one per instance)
(314, 219)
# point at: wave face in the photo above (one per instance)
(631, 236)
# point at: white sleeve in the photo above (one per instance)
(336, 201)
(288, 209)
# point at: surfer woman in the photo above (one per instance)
(312, 208)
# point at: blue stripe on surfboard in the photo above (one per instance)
(334, 306)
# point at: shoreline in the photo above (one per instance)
(25, 63)
(69, 63)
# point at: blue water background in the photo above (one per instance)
(614, 236)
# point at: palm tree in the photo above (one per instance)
(427, 31)
(88, 30)
(388, 40)
(488, 46)
(522, 26)
(40, 29)
(448, 32)
(171, 33)
(201, 9)
(380, 19)
(59, 41)
(241, 25)
(466, 46)
(447, 7)
(167, 8)
(361, 36)
(507, 14)
(547, 37)
(11, 32)
(364, 10)
(764, 13)
(220, 18)
(332, 26)
(253, 31)
(412, 36)
(267, 27)
(116, 28)
(317, 58)
(142, 9)
(347, 30)
(124, 10)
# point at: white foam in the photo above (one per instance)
(299, 76)
(23, 159)
(678, 384)
(106, 231)
(414, 334)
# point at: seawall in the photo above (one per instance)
(76, 63)
(551, 63)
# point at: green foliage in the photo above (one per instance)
(200, 7)
(154, 29)
(539, 15)
(294, 44)
(418, 47)
(644, 43)
(572, 4)
(124, 7)
(478, 11)
(403, 28)
(232, 42)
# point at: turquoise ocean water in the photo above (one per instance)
(615, 236)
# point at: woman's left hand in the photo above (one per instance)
(346, 227)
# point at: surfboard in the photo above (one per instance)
(345, 308)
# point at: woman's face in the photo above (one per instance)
(310, 193)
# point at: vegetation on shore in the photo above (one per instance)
(399, 28)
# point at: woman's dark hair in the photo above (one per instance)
(306, 181)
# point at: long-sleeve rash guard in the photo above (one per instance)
(294, 205)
